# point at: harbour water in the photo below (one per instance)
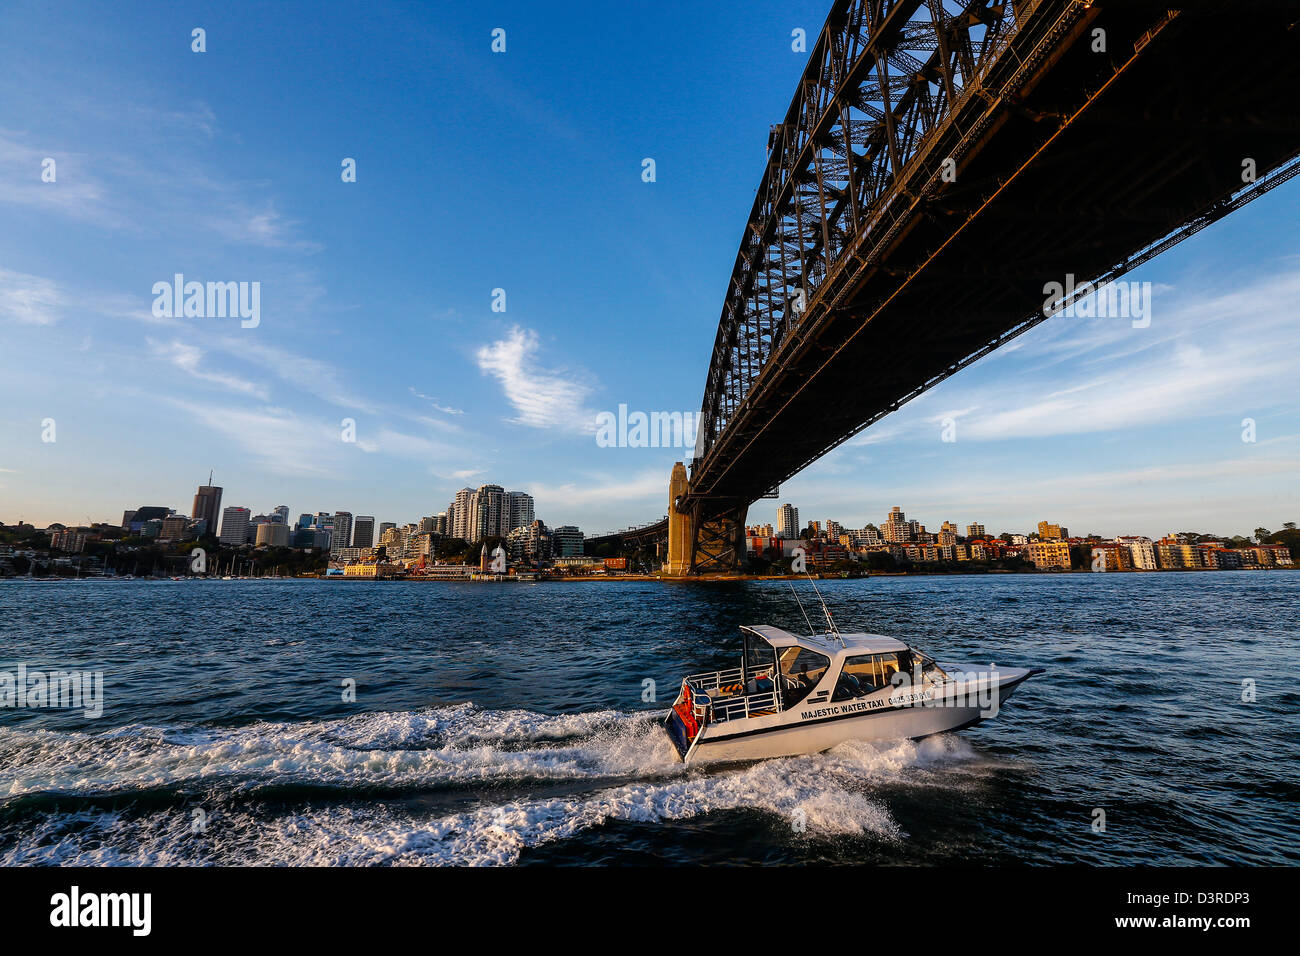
(509, 724)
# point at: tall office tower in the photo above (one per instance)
(520, 504)
(234, 525)
(280, 515)
(896, 528)
(488, 513)
(323, 521)
(462, 504)
(342, 536)
(207, 505)
(787, 522)
(363, 532)
(384, 526)
(304, 520)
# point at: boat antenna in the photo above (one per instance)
(800, 603)
(830, 621)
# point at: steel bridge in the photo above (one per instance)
(941, 163)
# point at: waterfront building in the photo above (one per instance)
(532, 544)
(1273, 555)
(1174, 553)
(787, 521)
(234, 525)
(1142, 551)
(1045, 554)
(567, 542)
(975, 530)
(1111, 556)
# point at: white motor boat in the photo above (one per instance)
(805, 694)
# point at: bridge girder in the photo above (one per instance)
(855, 210)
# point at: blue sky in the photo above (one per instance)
(522, 171)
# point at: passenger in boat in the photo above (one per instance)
(848, 686)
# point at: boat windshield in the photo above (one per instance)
(760, 656)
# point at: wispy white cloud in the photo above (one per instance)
(543, 398)
(1079, 376)
(189, 359)
(278, 439)
(445, 409)
(308, 374)
(29, 299)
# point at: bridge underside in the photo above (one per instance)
(1090, 161)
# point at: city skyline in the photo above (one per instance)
(374, 311)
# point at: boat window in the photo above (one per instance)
(759, 656)
(865, 673)
(801, 670)
(857, 678)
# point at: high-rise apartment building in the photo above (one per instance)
(207, 506)
(1052, 532)
(974, 530)
(787, 522)
(234, 525)
(458, 514)
(363, 532)
(520, 504)
(488, 514)
(896, 529)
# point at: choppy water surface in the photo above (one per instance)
(505, 724)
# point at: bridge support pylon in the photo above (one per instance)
(702, 540)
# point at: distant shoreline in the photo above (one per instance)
(645, 578)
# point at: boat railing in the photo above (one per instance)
(750, 705)
(713, 680)
(726, 698)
